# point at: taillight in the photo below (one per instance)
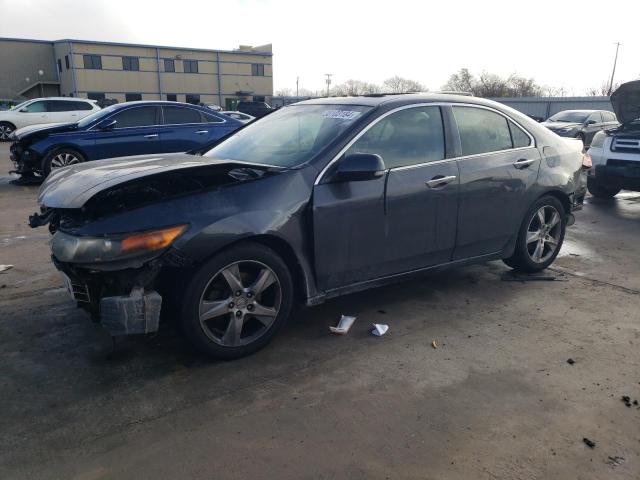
(587, 163)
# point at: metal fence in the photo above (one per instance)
(543, 107)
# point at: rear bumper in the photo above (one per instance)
(625, 177)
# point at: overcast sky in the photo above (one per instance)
(567, 44)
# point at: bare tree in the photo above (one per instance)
(283, 92)
(398, 84)
(602, 90)
(354, 87)
(462, 81)
(492, 85)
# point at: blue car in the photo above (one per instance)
(133, 128)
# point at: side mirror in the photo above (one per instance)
(108, 125)
(591, 122)
(360, 166)
(24, 110)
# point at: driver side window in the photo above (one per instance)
(408, 137)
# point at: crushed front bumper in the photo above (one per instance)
(124, 302)
(25, 161)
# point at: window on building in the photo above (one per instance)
(66, 61)
(178, 115)
(169, 65)
(130, 63)
(481, 130)
(193, 98)
(96, 96)
(408, 137)
(137, 117)
(190, 66)
(172, 97)
(132, 97)
(519, 137)
(92, 62)
(59, 65)
(257, 70)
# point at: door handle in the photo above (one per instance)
(523, 163)
(202, 132)
(440, 181)
(153, 135)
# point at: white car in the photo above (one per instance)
(615, 154)
(44, 110)
(242, 117)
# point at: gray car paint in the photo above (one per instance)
(338, 238)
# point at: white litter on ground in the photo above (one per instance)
(343, 326)
(379, 329)
(4, 268)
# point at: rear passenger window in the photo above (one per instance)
(408, 137)
(178, 115)
(67, 106)
(136, 117)
(481, 130)
(519, 137)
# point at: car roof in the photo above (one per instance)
(64, 98)
(160, 103)
(398, 99)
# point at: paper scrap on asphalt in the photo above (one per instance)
(379, 329)
(344, 325)
(4, 268)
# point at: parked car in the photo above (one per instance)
(44, 110)
(319, 199)
(615, 154)
(241, 117)
(581, 124)
(132, 128)
(255, 109)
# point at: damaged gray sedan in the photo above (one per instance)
(319, 199)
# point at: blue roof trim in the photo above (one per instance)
(140, 45)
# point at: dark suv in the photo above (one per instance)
(581, 124)
(255, 109)
(318, 199)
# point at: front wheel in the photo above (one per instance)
(600, 191)
(6, 129)
(237, 301)
(540, 237)
(62, 157)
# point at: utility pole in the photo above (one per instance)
(297, 81)
(615, 61)
(328, 82)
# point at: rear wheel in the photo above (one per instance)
(237, 301)
(600, 191)
(540, 237)
(6, 129)
(62, 157)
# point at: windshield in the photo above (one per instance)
(89, 119)
(289, 137)
(570, 116)
(20, 105)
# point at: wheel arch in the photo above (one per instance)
(60, 146)
(561, 196)
(13, 125)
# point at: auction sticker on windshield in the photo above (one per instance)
(342, 114)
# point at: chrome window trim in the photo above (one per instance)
(164, 124)
(532, 143)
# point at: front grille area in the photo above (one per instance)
(612, 162)
(628, 145)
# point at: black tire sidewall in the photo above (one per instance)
(521, 260)
(600, 191)
(46, 163)
(189, 319)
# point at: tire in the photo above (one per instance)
(600, 191)
(6, 129)
(209, 293)
(532, 236)
(61, 157)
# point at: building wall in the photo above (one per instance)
(544, 107)
(20, 59)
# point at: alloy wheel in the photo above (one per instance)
(64, 159)
(543, 234)
(5, 131)
(240, 303)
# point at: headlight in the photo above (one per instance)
(69, 248)
(598, 139)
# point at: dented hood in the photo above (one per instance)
(72, 187)
(626, 102)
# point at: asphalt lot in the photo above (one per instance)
(496, 399)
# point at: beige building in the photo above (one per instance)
(105, 70)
